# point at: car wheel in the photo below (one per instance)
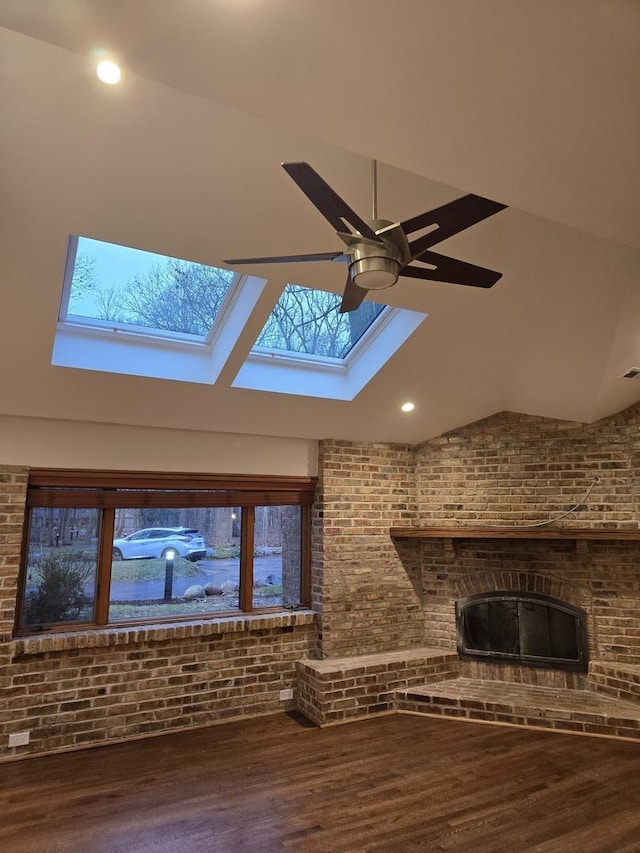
(116, 554)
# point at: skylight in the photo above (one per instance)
(308, 348)
(141, 314)
(118, 287)
(308, 321)
(137, 313)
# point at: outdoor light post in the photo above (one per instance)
(168, 575)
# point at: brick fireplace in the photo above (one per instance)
(384, 593)
(599, 577)
(381, 593)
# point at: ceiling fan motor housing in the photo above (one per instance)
(377, 265)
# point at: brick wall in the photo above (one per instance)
(78, 689)
(83, 696)
(514, 470)
(13, 493)
(13, 489)
(374, 595)
(370, 600)
(517, 469)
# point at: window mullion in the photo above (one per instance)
(104, 566)
(246, 558)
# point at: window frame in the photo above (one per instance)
(107, 491)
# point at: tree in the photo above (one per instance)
(361, 319)
(178, 296)
(84, 278)
(109, 305)
(308, 321)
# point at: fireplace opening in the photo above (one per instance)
(526, 628)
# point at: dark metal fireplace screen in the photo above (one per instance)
(525, 628)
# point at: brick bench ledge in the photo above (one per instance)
(337, 690)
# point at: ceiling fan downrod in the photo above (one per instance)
(374, 189)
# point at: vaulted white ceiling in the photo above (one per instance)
(534, 103)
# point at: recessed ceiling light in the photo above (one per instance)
(108, 72)
(408, 407)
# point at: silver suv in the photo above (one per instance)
(160, 542)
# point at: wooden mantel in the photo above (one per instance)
(570, 533)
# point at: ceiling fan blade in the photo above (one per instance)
(353, 296)
(452, 271)
(287, 259)
(450, 218)
(328, 202)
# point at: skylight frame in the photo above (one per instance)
(113, 327)
(326, 361)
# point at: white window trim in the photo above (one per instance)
(137, 352)
(330, 378)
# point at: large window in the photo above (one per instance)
(115, 548)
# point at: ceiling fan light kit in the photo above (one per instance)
(374, 273)
(379, 251)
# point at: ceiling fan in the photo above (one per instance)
(379, 251)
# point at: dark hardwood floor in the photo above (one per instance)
(394, 783)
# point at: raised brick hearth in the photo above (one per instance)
(581, 711)
(427, 681)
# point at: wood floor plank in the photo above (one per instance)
(394, 783)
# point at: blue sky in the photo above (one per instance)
(114, 266)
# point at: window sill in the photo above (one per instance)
(103, 637)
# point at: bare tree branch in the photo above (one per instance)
(308, 321)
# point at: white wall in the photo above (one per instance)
(47, 443)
